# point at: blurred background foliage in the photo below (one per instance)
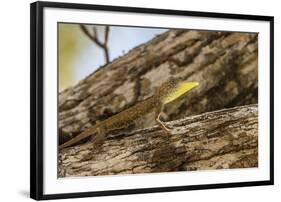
(79, 55)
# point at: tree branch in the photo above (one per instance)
(95, 39)
(221, 139)
(225, 65)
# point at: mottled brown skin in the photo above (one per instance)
(128, 116)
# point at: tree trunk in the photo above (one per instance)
(214, 140)
(225, 65)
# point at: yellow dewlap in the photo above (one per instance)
(179, 91)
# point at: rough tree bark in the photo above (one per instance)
(213, 140)
(224, 63)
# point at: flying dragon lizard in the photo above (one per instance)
(166, 93)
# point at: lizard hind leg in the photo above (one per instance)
(99, 137)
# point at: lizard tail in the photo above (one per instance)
(79, 137)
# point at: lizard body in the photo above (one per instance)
(167, 92)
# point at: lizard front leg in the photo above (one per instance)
(157, 118)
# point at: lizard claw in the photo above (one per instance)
(163, 126)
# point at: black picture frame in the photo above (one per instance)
(36, 99)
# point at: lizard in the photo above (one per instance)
(166, 93)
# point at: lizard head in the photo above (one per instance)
(174, 88)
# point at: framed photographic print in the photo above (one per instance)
(134, 100)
